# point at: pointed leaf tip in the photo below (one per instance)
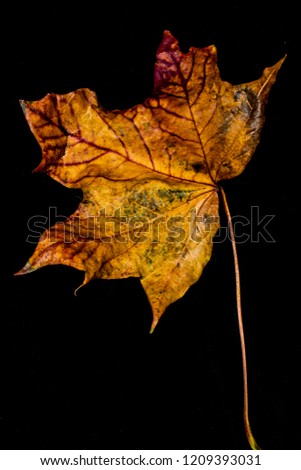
(23, 105)
(268, 79)
(168, 43)
(153, 325)
(25, 270)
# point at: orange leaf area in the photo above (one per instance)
(149, 174)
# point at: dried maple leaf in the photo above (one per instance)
(150, 175)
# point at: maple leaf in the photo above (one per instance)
(149, 174)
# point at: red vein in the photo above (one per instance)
(126, 157)
(203, 84)
(116, 135)
(171, 112)
(192, 117)
(142, 140)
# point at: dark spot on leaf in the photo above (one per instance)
(227, 165)
(197, 167)
(237, 95)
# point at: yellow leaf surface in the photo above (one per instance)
(149, 174)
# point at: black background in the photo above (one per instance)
(83, 372)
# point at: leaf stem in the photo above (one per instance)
(249, 434)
